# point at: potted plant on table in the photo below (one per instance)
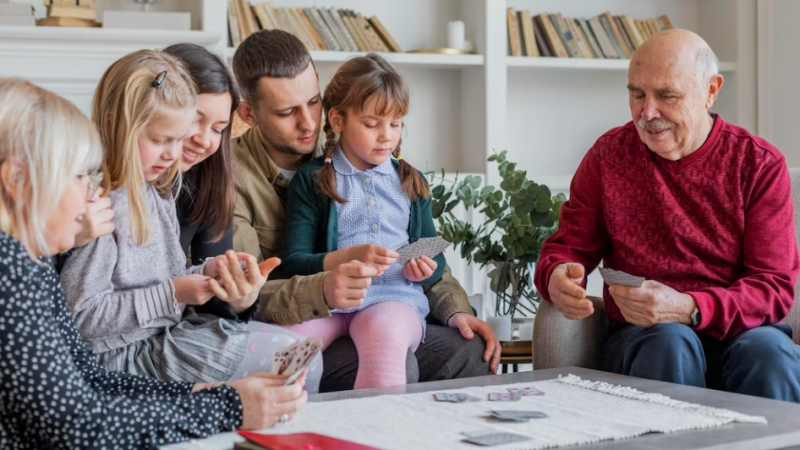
(519, 216)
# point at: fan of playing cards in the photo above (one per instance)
(617, 278)
(430, 247)
(294, 359)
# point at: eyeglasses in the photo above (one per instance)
(95, 179)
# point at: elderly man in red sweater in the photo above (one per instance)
(700, 208)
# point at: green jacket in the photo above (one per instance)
(312, 225)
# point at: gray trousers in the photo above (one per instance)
(444, 355)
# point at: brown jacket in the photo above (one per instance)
(258, 229)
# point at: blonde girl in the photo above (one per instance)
(129, 291)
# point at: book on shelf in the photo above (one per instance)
(328, 29)
(16, 14)
(72, 12)
(602, 37)
(67, 22)
(87, 3)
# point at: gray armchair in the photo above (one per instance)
(559, 342)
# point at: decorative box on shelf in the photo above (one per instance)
(148, 20)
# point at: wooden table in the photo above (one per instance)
(515, 353)
(783, 430)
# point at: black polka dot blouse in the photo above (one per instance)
(54, 395)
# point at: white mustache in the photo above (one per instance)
(655, 125)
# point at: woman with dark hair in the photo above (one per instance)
(205, 203)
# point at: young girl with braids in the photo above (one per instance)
(358, 203)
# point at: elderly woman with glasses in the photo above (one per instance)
(53, 394)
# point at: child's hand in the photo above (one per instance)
(379, 257)
(97, 221)
(421, 269)
(192, 290)
(238, 287)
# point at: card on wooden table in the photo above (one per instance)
(430, 247)
(618, 278)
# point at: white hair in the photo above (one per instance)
(53, 142)
(707, 67)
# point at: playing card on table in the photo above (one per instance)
(530, 390)
(492, 438)
(616, 278)
(455, 397)
(504, 397)
(430, 247)
(518, 416)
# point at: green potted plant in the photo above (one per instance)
(519, 216)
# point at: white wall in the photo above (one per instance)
(779, 67)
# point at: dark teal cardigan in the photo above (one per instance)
(312, 225)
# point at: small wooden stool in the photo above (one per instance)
(515, 353)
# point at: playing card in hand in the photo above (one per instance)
(617, 278)
(430, 247)
(293, 360)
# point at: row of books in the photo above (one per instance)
(70, 13)
(16, 14)
(604, 36)
(318, 28)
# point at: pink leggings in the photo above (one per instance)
(383, 334)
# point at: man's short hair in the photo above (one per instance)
(268, 53)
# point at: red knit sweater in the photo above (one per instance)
(718, 225)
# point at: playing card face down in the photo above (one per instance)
(492, 438)
(301, 441)
(617, 278)
(430, 247)
(518, 416)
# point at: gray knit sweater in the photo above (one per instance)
(120, 293)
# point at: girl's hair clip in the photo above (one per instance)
(327, 161)
(400, 158)
(159, 79)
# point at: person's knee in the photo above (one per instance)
(450, 356)
(671, 340)
(667, 352)
(766, 350)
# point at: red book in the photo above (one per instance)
(300, 441)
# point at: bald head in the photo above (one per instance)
(678, 50)
(673, 82)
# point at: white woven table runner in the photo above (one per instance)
(581, 412)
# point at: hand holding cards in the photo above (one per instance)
(295, 359)
(618, 278)
(430, 247)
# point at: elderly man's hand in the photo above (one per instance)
(566, 292)
(652, 304)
